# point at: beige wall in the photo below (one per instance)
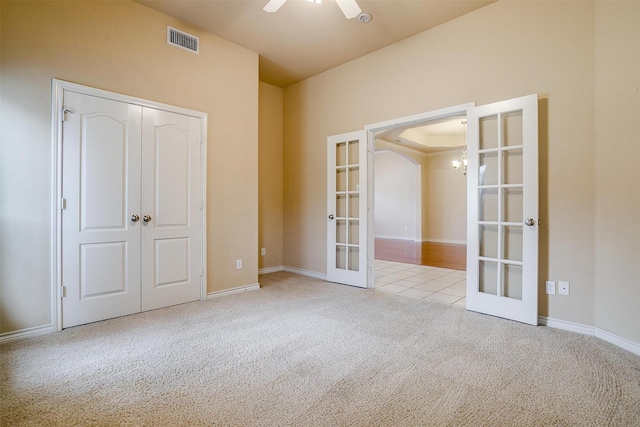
(617, 142)
(397, 199)
(270, 226)
(445, 209)
(444, 194)
(120, 47)
(504, 50)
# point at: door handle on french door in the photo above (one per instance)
(135, 218)
(530, 222)
(331, 216)
(146, 218)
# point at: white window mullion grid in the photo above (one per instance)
(499, 288)
(348, 202)
(338, 217)
(350, 216)
(355, 191)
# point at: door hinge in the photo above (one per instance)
(63, 112)
(201, 204)
(63, 291)
(63, 204)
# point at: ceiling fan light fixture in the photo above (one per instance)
(349, 7)
(273, 5)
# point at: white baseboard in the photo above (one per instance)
(452, 241)
(268, 270)
(314, 274)
(616, 340)
(407, 238)
(565, 326)
(411, 239)
(26, 333)
(629, 345)
(237, 290)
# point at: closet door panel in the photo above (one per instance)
(171, 207)
(101, 191)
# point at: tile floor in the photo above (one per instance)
(420, 281)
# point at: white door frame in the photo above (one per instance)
(371, 143)
(57, 114)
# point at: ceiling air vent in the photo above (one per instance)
(183, 40)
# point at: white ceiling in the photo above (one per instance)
(303, 39)
(428, 137)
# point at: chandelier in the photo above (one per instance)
(461, 164)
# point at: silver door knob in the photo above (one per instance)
(146, 218)
(135, 218)
(331, 216)
(530, 222)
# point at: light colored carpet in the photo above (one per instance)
(302, 352)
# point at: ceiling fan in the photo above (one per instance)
(349, 7)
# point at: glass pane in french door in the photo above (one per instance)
(500, 204)
(347, 206)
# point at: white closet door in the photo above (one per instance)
(101, 192)
(131, 209)
(170, 209)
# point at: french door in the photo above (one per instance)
(347, 212)
(502, 206)
(502, 209)
(130, 221)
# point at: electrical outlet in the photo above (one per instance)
(563, 288)
(551, 287)
(239, 264)
(263, 251)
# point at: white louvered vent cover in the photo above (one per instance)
(183, 40)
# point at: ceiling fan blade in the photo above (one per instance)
(349, 7)
(274, 5)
